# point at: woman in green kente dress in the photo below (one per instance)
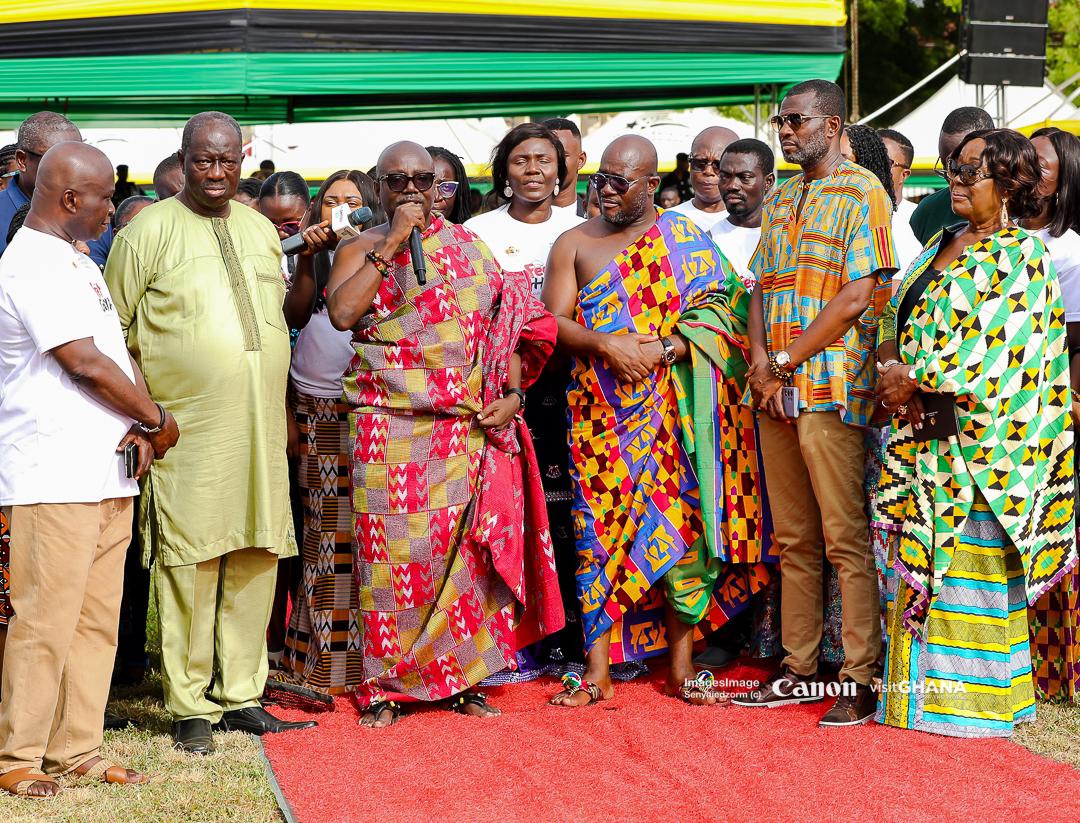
(978, 477)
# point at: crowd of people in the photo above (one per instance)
(706, 415)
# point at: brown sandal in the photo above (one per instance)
(99, 768)
(18, 782)
(572, 684)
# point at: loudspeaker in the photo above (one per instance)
(1003, 70)
(1005, 42)
(1007, 11)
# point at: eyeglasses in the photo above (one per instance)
(447, 188)
(966, 174)
(618, 183)
(398, 182)
(894, 165)
(795, 120)
(700, 164)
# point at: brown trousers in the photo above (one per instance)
(814, 471)
(67, 577)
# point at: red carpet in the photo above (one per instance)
(644, 756)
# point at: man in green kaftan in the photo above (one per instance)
(197, 284)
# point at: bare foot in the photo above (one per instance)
(477, 710)
(582, 697)
(683, 685)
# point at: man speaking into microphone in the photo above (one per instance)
(441, 461)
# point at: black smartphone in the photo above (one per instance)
(131, 459)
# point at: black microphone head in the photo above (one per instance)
(359, 216)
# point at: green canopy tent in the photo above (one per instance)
(141, 62)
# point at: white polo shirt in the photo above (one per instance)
(57, 444)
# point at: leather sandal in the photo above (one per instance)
(18, 782)
(460, 704)
(99, 768)
(376, 708)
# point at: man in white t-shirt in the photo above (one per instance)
(570, 136)
(901, 155)
(746, 176)
(71, 402)
(706, 207)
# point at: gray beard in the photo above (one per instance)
(812, 150)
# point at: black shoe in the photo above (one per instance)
(257, 720)
(783, 689)
(193, 736)
(851, 709)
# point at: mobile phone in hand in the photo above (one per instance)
(131, 459)
(789, 400)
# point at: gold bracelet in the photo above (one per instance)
(1075, 395)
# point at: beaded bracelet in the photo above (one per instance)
(379, 262)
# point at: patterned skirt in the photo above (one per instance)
(5, 590)
(968, 673)
(1055, 641)
(323, 646)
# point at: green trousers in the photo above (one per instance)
(213, 618)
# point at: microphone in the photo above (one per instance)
(343, 222)
(416, 249)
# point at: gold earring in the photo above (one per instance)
(1004, 212)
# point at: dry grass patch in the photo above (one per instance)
(1056, 733)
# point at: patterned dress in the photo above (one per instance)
(986, 517)
(452, 578)
(638, 507)
(5, 559)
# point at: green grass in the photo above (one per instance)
(229, 785)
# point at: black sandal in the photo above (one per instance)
(377, 707)
(460, 704)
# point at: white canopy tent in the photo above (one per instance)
(1023, 105)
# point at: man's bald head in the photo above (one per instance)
(74, 191)
(37, 134)
(632, 151)
(405, 159)
(712, 142)
(404, 151)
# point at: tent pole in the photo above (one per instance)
(757, 111)
(944, 66)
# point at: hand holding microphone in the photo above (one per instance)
(343, 223)
(406, 226)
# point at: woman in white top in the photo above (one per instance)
(526, 168)
(322, 650)
(1055, 628)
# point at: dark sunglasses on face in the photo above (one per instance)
(966, 174)
(398, 182)
(700, 164)
(795, 120)
(619, 184)
(288, 227)
(447, 188)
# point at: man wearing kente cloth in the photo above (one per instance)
(655, 318)
(197, 284)
(454, 557)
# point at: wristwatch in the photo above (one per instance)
(520, 396)
(667, 356)
(780, 363)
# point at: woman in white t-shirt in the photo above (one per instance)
(526, 168)
(1055, 634)
(321, 647)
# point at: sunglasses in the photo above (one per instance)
(398, 182)
(966, 174)
(700, 164)
(619, 184)
(795, 120)
(289, 227)
(447, 188)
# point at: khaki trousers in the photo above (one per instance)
(814, 472)
(67, 578)
(213, 618)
